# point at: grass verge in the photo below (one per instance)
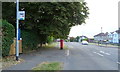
(48, 67)
(51, 45)
(111, 45)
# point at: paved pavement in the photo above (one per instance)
(76, 57)
(33, 59)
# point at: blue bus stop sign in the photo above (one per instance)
(19, 34)
(21, 15)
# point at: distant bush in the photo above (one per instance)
(30, 40)
(50, 39)
(8, 33)
(85, 39)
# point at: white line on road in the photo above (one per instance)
(107, 54)
(118, 62)
(98, 54)
(68, 52)
(104, 53)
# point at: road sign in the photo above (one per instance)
(21, 15)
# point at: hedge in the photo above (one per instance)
(8, 33)
(30, 40)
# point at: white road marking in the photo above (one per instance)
(107, 54)
(68, 52)
(118, 62)
(98, 54)
(104, 53)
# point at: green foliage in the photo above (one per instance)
(46, 19)
(49, 18)
(30, 40)
(9, 12)
(77, 38)
(50, 39)
(43, 38)
(8, 33)
(86, 39)
(66, 40)
(72, 39)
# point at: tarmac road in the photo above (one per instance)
(91, 57)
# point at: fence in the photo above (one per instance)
(13, 47)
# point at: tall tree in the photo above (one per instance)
(49, 18)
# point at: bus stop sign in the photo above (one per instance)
(21, 15)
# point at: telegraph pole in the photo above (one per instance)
(17, 21)
(101, 29)
(101, 36)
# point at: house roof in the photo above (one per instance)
(83, 36)
(102, 34)
(111, 32)
(105, 34)
(118, 31)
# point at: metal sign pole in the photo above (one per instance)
(17, 20)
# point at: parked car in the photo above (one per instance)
(84, 43)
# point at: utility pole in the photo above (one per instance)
(101, 35)
(101, 29)
(17, 21)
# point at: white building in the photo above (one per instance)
(110, 35)
(101, 37)
(114, 37)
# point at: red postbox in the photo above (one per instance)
(61, 44)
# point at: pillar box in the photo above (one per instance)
(61, 44)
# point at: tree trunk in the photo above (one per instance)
(40, 44)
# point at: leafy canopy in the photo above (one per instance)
(49, 18)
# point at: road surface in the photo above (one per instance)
(90, 57)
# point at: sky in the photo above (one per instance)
(103, 13)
